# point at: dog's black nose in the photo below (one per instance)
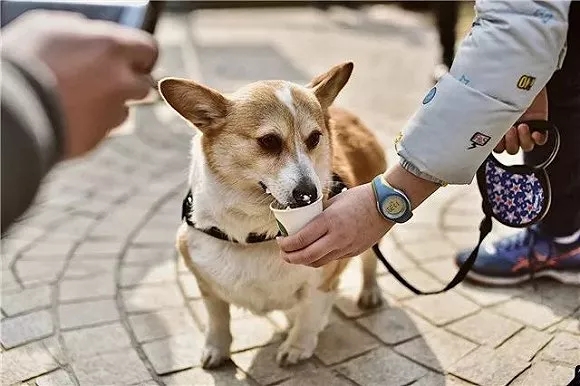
(305, 193)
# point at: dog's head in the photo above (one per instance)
(269, 136)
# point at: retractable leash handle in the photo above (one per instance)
(544, 127)
(486, 224)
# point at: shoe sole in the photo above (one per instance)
(572, 278)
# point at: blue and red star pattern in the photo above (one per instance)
(515, 198)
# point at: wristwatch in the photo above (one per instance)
(392, 204)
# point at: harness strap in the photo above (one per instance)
(337, 186)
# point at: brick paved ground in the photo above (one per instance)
(93, 293)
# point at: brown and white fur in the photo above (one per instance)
(230, 160)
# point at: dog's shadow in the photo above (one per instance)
(357, 349)
(356, 346)
(389, 345)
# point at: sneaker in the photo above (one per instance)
(523, 256)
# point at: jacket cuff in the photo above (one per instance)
(408, 166)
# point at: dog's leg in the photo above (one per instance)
(311, 317)
(370, 296)
(291, 316)
(218, 337)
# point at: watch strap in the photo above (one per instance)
(382, 189)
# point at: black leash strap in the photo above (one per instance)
(576, 380)
(484, 230)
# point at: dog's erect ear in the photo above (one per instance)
(204, 107)
(327, 86)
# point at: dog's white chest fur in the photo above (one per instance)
(253, 277)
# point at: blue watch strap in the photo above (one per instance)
(398, 201)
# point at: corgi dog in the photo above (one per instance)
(269, 140)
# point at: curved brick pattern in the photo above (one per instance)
(93, 292)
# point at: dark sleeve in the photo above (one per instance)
(32, 128)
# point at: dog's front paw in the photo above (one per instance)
(291, 355)
(370, 298)
(213, 356)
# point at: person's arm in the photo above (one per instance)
(511, 53)
(31, 131)
(66, 82)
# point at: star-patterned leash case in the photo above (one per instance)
(518, 196)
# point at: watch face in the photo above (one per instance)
(394, 206)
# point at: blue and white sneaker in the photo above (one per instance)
(523, 256)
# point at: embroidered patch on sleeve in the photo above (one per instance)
(544, 15)
(479, 139)
(526, 82)
(430, 95)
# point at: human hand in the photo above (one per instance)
(98, 67)
(348, 226)
(520, 136)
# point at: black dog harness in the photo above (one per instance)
(336, 186)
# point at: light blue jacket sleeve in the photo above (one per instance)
(511, 53)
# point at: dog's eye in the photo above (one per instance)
(313, 140)
(271, 143)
